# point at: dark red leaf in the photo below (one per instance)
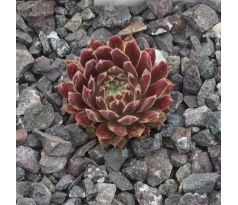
(131, 106)
(82, 119)
(86, 55)
(119, 57)
(79, 81)
(151, 51)
(103, 132)
(90, 69)
(130, 68)
(117, 128)
(132, 50)
(163, 102)
(64, 88)
(157, 88)
(95, 43)
(94, 115)
(103, 53)
(159, 71)
(76, 101)
(101, 103)
(145, 81)
(88, 98)
(117, 106)
(147, 103)
(136, 130)
(127, 119)
(116, 42)
(103, 65)
(144, 63)
(109, 114)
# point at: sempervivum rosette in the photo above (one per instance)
(117, 90)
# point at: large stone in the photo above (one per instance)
(24, 61)
(201, 163)
(90, 188)
(64, 182)
(146, 195)
(183, 172)
(81, 151)
(165, 42)
(77, 166)
(120, 181)
(200, 183)
(27, 158)
(26, 201)
(58, 197)
(53, 145)
(197, 117)
(159, 7)
(74, 23)
(204, 138)
(106, 193)
(96, 173)
(126, 198)
(76, 192)
(160, 171)
(201, 17)
(41, 194)
(172, 199)
(20, 23)
(193, 199)
(207, 89)
(23, 38)
(169, 187)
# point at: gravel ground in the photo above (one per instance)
(57, 163)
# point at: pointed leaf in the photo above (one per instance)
(88, 98)
(109, 114)
(72, 68)
(64, 88)
(103, 65)
(92, 84)
(127, 65)
(115, 70)
(137, 93)
(82, 119)
(157, 88)
(68, 108)
(95, 43)
(168, 89)
(94, 115)
(136, 130)
(151, 51)
(79, 81)
(145, 81)
(128, 97)
(132, 79)
(147, 103)
(116, 42)
(127, 119)
(117, 106)
(119, 57)
(149, 116)
(86, 55)
(101, 103)
(103, 132)
(76, 101)
(101, 78)
(131, 106)
(90, 69)
(117, 128)
(159, 71)
(103, 53)
(132, 50)
(163, 102)
(144, 63)
(118, 141)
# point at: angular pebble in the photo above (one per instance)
(193, 199)
(106, 193)
(41, 194)
(120, 181)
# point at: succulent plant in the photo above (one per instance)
(117, 90)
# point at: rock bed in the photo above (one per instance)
(57, 163)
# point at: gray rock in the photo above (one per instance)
(75, 201)
(81, 151)
(61, 20)
(101, 34)
(116, 202)
(74, 23)
(200, 183)
(58, 197)
(26, 201)
(64, 182)
(114, 158)
(42, 65)
(87, 14)
(164, 42)
(48, 184)
(51, 164)
(147, 195)
(62, 32)
(183, 172)
(148, 15)
(23, 188)
(53, 145)
(207, 89)
(159, 7)
(174, 63)
(201, 163)
(177, 80)
(136, 170)
(60, 46)
(160, 171)
(147, 146)
(20, 23)
(197, 117)
(76, 192)
(208, 47)
(24, 61)
(204, 138)
(191, 101)
(60, 10)
(193, 199)
(20, 173)
(142, 42)
(41, 194)
(106, 193)
(36, 47)
(182, 139)
(33, 141)
(23, 38)
(111, 17)
(218, 57)
(28, 98)
(96, 173)
(178, 159)
(77, 35)
(178, 99)
(44, 42)
(215, 155)
(76, 166)
(159, 26)
(213, 102)
(201, 17)
(214, 122)
(126, 197)
(44, 85)
(136, 9)
(120, 181)
(215, 198)
(173, 199)
(191, 80)
(27, 158)
(90, 188)
(97, 153)
(39, 116)
(169, 187)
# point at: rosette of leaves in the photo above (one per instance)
(117, 90)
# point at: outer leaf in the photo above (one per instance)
(83, 120)
(119, 57)
(144, 63)
(163, 103)
(116, 42)
(151, 51)
(64, 88)
(103, 53)
(149, 116)
(157, 88)
(94, 44)
(79, 81)
(132, 50)
(127, 65)
(88, 98)
(145, 81)
(147, 103)
(159, 71)
(101, 103)
(118, 141)
(72, 68)
(109, 114)
(131, 106)
(103, 65)
(136, 130)
(117, 128)
(103, 132)
(90, 69)
(68, 108)
(76, 101)
(127, 119)
(94, 115)
(86, 55)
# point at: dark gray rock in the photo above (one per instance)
(36, 47)
(136, 170)
(23, 38)
(126, 197)
(183, 172)
(33, 141)
(215, 155)
(20, 173)
(111, 17)
(159, 26)
(147, 195)
(173, 199)
(193, 199)
(208, 47)
(76, 166)
(101, 34)
(81, 151)
(90, 188)
(44, 85)
(147, 146)
(159, 7)
(160, 171)
(136, 9)
(201, 163)
(182, 139)
(177, 80)
(214, 122)
(178, 99)
(27, 158)
(191, 101)
(214, 198)
(77, 35)
(62, 32)
(39, 116)
(174, 63)
(76, 191)
(28, 98)
(60, 20)
(53, 145)
(46, 181)
(58, 197)
(23, 189)
(204, 138)
(44, 42)
(42, 65)
(178, 159)
(200, 183)
(96, 173)
(164, 42)
(75, 201)
(26, 201)
(106, 193)
(170, 186)
(41, 194)
(213, 102)
(97, 153)
(64, 182)
(24, 61)
(51, 164)
(201, 17)
(20, 23)
(114, 158)
(120, 181)
(197, 117)
(142, 42)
